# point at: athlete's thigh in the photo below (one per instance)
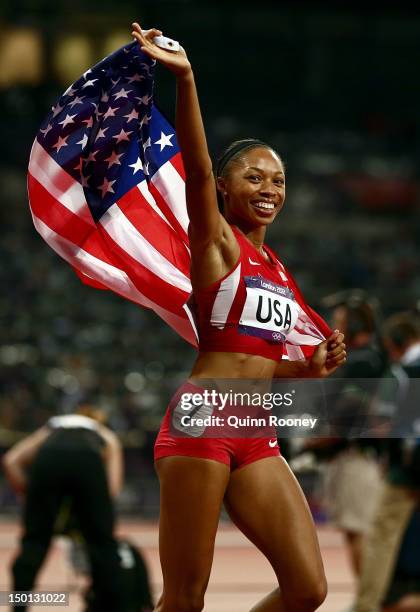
(266, 502)
(191, 495)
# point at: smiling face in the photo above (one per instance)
(253, 188)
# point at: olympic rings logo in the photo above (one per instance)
(277, 336)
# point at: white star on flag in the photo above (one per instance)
(92, 156)
(147, 144)
(164, 141)
(76, 100)
(69, 91)
(101, 133)
(106, 187)
(114, 159)
(61, 142)
(144, 100)
(89, 83)
(133, 115)
(57, 110)
(83, 142)
(122, 93)
(123, 135)
(145, 120)
(67, 120)
(110, 112)
(135, 77)
(136, 166)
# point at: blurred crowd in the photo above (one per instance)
(62, 342)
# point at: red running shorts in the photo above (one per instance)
(232, 451)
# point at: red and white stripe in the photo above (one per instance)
(147, 263)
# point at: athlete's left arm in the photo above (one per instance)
(327, 357)
(18, 458)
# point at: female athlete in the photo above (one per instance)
(234, 277)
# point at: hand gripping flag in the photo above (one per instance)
(107, 192)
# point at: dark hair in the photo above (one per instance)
(232, 153)
(360, 318)
(401, 328)
(362, 311)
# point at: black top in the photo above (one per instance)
(349, 395)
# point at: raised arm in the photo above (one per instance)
(206, 222)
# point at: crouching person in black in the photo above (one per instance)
(72, 457)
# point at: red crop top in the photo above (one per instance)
(251, 309)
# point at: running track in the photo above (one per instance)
(240, 574)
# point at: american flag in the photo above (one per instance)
(107, 188)
(107, 192)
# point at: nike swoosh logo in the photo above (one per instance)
(272, 443)
(253, 263)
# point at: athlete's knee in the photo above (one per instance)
(309, 598)
(188, 599)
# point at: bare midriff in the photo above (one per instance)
(232, 365)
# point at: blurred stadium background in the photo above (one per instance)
(336, 91)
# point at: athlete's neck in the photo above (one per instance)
(255, 235)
